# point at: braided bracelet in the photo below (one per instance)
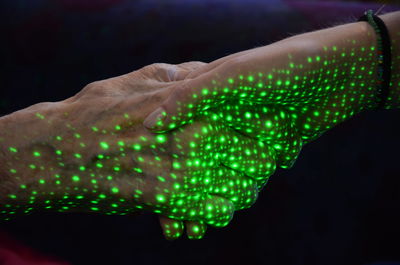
(383, 54)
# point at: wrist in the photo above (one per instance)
(392, 22)
(353, 47)
(365, 37)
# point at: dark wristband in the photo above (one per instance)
(384, 56)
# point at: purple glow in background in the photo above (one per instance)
(51, 49)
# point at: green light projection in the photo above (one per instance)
(309, 95)
(201, 172)
(284, 107)
(235, 132)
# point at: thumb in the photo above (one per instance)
(187, 99)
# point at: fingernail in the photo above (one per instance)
(195, 237)
(172, 237)
(155, 119)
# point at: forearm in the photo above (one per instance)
(392, 22)
(358, 38)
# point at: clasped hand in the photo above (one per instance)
(225, 127)
(104, 160)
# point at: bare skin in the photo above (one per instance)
(282, 96)
(91, 153)
(319, 79)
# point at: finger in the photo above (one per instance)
(225, 182)
(188, 98)
(216, 211)
(257, 77)
(165, 72)
(264, 122)
(216, 143)
(234, 186)
(254, 158)
(241, 153)
(267, 123)
(187, 68)
(288, 149)
(195, 206)
(195, 229)
(210, 209)
(172, 229)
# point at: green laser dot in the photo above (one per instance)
(104, 145)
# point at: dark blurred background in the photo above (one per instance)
(339, 204)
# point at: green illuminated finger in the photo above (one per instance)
(211, 143)
(252, 157)
(312, 120)
(234, 150)
(195, 229)
(269, 124)
(234, 186)
(213, 210)
(231, 81)
(260, 121)
(225, 182)
(216, 211)
(172, 229)
(288, 149)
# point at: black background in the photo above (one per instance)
(339, 204)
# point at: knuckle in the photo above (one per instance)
(150, 66)
(93, 86)
(163, 71)
(154, 67)
(89, 89)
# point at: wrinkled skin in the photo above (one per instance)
(208, 191)
(107, 161)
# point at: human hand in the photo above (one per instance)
(101, 159)
(314, 82)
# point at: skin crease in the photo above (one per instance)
(78, 134)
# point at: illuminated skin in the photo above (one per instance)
(91, 153)
(282, 96)
(316, 80)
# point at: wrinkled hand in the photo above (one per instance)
(206, 182)
(104, 160)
